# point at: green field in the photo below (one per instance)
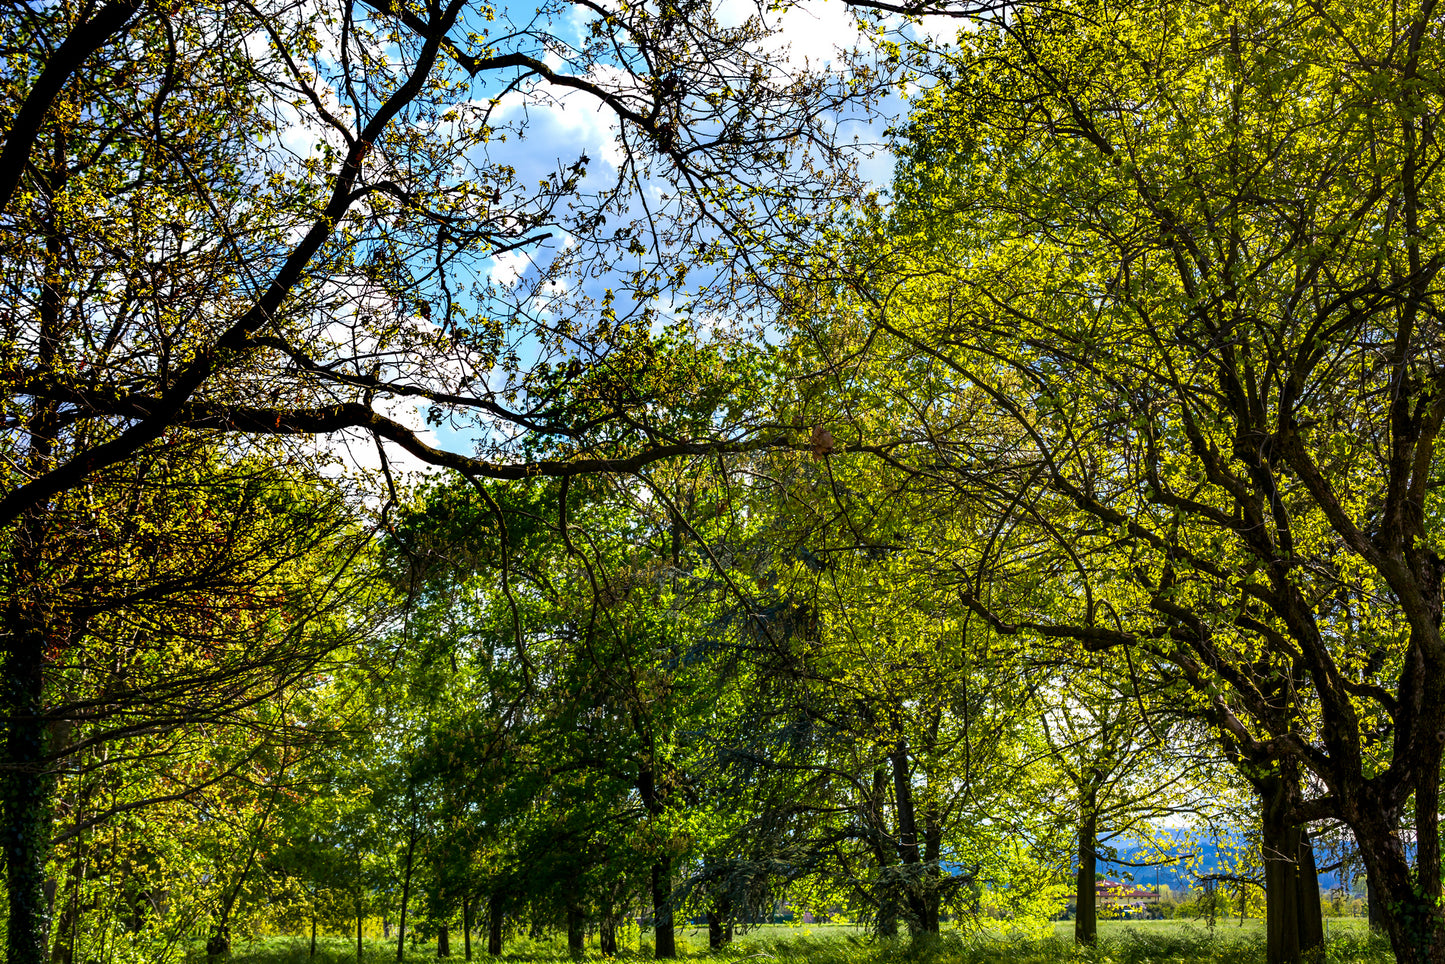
(1120, 942)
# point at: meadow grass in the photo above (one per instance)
(1120, 942)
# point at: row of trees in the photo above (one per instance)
(1186, 258)
(1085, 489)
(232, 228)
(507, 752)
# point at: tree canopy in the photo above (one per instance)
(415, 518)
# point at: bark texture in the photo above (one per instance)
(467, 927)
(576, 933)
(665, 934)
(25, 797)
(1086, 909)
(494, 925)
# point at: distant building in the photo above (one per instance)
(1126, 900)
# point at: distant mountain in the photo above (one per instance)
(1179, 875)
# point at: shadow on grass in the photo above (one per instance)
(1127, 946)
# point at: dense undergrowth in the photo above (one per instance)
(1125, 946)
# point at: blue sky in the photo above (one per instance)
(547, 132)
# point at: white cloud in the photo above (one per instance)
(570, 122)
(509, 266)
(815, 32)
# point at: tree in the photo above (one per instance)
(874, 741)
(177, 593)
(375, 301)
(276, 220)
(1111, 751)
(1190, 254)
(558, 662)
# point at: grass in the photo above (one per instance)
(1120, 942)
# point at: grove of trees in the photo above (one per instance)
(415, 518)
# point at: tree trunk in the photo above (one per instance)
(909, 850)
(63, 951)
(1086, 902)
(607, 937)
(359, 916)
(467, 926)
(654, 799)
(220, 943)
(887, 919)
(1409, 918)
(25, 794)
(576, 938)
(576, 919)
(27, 786)
(405, 896)
(1311, 916)
(607, 920)
(68, 927)
(932, 874)
(494, 925)
(1293, 923)
(444, 944)
(664, 936)
(1280, 845)
(720, 922)
(888, 915)
(135, 916)
(312, 955)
